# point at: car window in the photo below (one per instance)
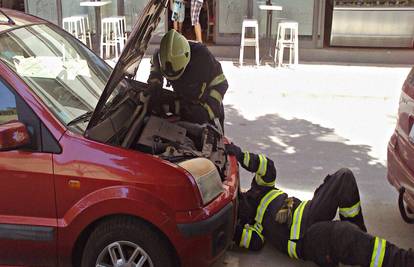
(8, 111)
(67, 76)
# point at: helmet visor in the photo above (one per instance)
(169, 71)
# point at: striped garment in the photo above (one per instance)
(196, 6)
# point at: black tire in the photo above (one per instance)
(127, 230)
(408, 218)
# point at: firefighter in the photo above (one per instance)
(304, 229)
(195, 75)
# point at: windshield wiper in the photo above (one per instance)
(82, 118)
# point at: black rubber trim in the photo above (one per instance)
(209, 225)
(26, 232)
(402, 208)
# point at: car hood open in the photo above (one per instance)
(132, 54)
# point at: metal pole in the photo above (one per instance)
(59, 12)
(121, 8)
(249, 9)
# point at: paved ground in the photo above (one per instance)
(313, 120)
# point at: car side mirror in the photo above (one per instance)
(13, 135)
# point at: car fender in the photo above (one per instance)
(112, 201)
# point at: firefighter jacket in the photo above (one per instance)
(259, 205)
(202, 82)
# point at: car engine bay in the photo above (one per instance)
(180, 140)
(132, 122)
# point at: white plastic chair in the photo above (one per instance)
(113, 34)
(287, 37)
(87, 33)
(249, 23)
(75, 26)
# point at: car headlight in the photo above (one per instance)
(206, 176)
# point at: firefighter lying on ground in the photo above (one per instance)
(195, 75)
(304, 229)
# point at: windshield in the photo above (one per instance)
(67, 76)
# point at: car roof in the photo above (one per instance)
(20, 19)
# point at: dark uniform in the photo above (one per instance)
(310, 233)
(200, 88)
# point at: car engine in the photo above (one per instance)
(176, 141)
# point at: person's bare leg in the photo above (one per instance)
(180, 27)
(176, 26)
(197, 30)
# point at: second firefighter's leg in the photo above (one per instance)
(330, 243)
(338, 190)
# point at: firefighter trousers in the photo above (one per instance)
(338, 191)
(331, 242)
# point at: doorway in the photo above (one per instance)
(13, 4)
(328, 22)
(207, 21)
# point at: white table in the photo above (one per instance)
(97, 6)
(269, 8)
(272, 8)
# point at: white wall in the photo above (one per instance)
(45, 9)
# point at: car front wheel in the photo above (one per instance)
(126, 242)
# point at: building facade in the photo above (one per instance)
(322, 23)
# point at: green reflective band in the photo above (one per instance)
(352, 211)
(258, 227)
(209, 110)
(264, 202)
(295, 229)
(216, 81)
(216, 95)
(246, 237)
(262, 165)
(292, 250)
(378, 252)
(202, 89)
(259, 233)
(260, 181)
(246, 159)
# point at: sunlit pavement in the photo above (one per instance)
(312, 120)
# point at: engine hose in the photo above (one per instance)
(402, 208)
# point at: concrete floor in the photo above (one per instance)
(312, 120)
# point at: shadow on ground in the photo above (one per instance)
(303, 152)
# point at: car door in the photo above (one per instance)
(27, 196)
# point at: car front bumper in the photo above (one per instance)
(203, 240)
(220, 226)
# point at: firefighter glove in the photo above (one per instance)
(284, 215)
(234, 150)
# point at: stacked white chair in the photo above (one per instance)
(87, 32)
(75, 25)
(249, 23)
(287, 37)
(113, 34)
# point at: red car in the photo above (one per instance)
(89, 176)
(401, 151)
